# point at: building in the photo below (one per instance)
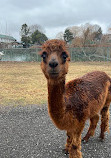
(6, 39)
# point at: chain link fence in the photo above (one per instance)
(90, 54)
(76, 54)
(20, 54)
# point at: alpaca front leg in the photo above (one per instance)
(68, 143)
(75, 148)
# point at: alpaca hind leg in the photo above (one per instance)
(93, 123)
(104, 120)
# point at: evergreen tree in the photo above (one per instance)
(68, 36)
(25, 35)
(38, 37)
(98, 34)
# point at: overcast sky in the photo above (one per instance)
(53, 15)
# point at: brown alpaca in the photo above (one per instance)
(71, 104)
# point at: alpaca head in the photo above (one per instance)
(55, 58)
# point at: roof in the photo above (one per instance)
(7, 37)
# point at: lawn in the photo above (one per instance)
(23, 83)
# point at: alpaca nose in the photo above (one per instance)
(53, 64)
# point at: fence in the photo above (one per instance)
(91, 54)
(20, 54)
(76, 54)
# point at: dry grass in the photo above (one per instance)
(24, 83)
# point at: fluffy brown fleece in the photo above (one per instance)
(71, 104)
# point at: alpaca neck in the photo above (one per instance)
(56, 102)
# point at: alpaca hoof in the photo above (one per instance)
(84, 140)
(101, 140)
(65, 151)
(101, 137)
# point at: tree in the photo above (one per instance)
(60, 36)
(25, 35)
(75, 30)
(31, 35)
(35, 27)
(97, 35)
(86, 34)
(38, 37)
(91, 33)
(68, 36)
(109, 29)
(77, 42)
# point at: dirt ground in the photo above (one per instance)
(28, 132)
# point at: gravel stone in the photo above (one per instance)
(28, 132)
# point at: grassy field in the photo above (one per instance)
(23, 83)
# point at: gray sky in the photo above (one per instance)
(53, 15)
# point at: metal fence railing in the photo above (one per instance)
(90, 54)
(20, 54)
(76, 54)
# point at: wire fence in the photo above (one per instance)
(91, 54)
(76, 54)
(21, 54)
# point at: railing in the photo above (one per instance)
(76, 54)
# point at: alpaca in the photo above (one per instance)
(71, 104)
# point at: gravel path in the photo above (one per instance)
(28, 132)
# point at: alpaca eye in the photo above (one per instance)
(64, 56)
(44, 55)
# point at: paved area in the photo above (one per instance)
(27, 132)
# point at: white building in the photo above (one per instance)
(6, 39)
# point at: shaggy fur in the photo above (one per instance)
(71, 104)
